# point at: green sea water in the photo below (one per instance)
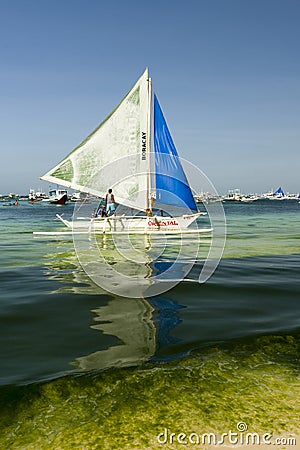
(83, 369)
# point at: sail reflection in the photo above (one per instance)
(129, 330)
(131, 322)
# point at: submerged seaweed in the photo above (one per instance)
(255, 381)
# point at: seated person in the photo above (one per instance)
(101, 211)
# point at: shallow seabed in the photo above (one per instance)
(82, 369)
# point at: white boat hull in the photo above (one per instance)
(132, 224)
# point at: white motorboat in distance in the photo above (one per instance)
(58, 196)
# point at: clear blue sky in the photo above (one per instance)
(227, 74)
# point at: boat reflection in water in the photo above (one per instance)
(130, 329)
(130, 321)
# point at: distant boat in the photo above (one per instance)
(58, 196)
(76, 197)
(16, 203)
(279, 194)
(142, 180)
(234, 195)
(289, 196)
(249, 198)
(206, 197)
(36, 196)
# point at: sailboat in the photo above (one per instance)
(133, 153)
(279, 194)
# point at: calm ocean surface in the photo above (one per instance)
(83, 369)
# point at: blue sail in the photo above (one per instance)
(172, 187)
(279, 192)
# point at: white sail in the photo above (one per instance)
(121, 139)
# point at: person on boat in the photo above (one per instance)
(148, 212)
(110, 204)
(101, 211)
